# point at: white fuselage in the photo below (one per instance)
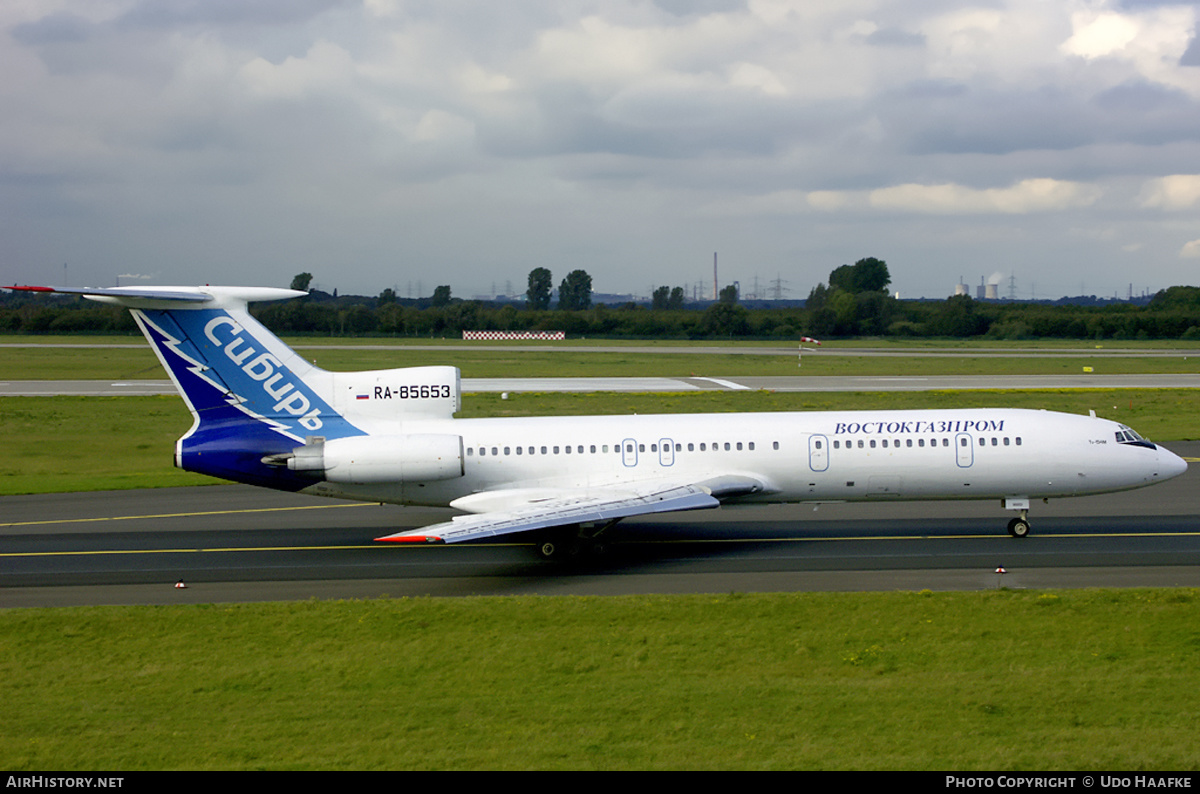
(814, 456)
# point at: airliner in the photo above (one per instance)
(264, 415)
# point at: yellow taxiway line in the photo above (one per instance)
(184, 515)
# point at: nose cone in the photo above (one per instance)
(1169, 464)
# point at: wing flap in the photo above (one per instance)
(599, 505)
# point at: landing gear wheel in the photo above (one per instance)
(571, 543)
(552, 551)
(1018, 528)
(558, 544)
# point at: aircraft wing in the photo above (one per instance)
(591, 505)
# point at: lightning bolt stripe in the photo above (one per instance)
(236, 421)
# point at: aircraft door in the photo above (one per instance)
(666, 452)
(966, 450)
(629, 454)
(818, 452)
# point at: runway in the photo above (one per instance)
(235, 543)
(691, 348)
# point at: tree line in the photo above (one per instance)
(854, 303)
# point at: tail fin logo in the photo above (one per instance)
(223, 359)
(262, 369)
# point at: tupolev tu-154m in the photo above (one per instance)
(265, 416)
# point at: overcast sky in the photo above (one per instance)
(385, 143)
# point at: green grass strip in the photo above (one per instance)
(1014, 680)
(134, 361)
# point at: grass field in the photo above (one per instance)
(134, 360)
(998, 680)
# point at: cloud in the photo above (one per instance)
(438, 125)
(1191, 56)
(829, 200)
(1175, 192)
(58, 28)
(324, 67)
(750, 75)
(1190, 250)
(895, 37)
(172, 14)
(620, 135)
(1152, 38)
(1103, 35)
(1027, 196)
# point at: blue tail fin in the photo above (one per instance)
(253, 399)
(250, 395)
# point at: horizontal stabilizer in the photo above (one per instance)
(154, 293)
(139, 296)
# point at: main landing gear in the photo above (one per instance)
(571, 543)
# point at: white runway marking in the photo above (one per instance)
(576, 384)
(728, 384)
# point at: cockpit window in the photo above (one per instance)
(1127, 436)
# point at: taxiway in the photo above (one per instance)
(236, 543)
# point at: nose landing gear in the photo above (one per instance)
(1018, 527)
